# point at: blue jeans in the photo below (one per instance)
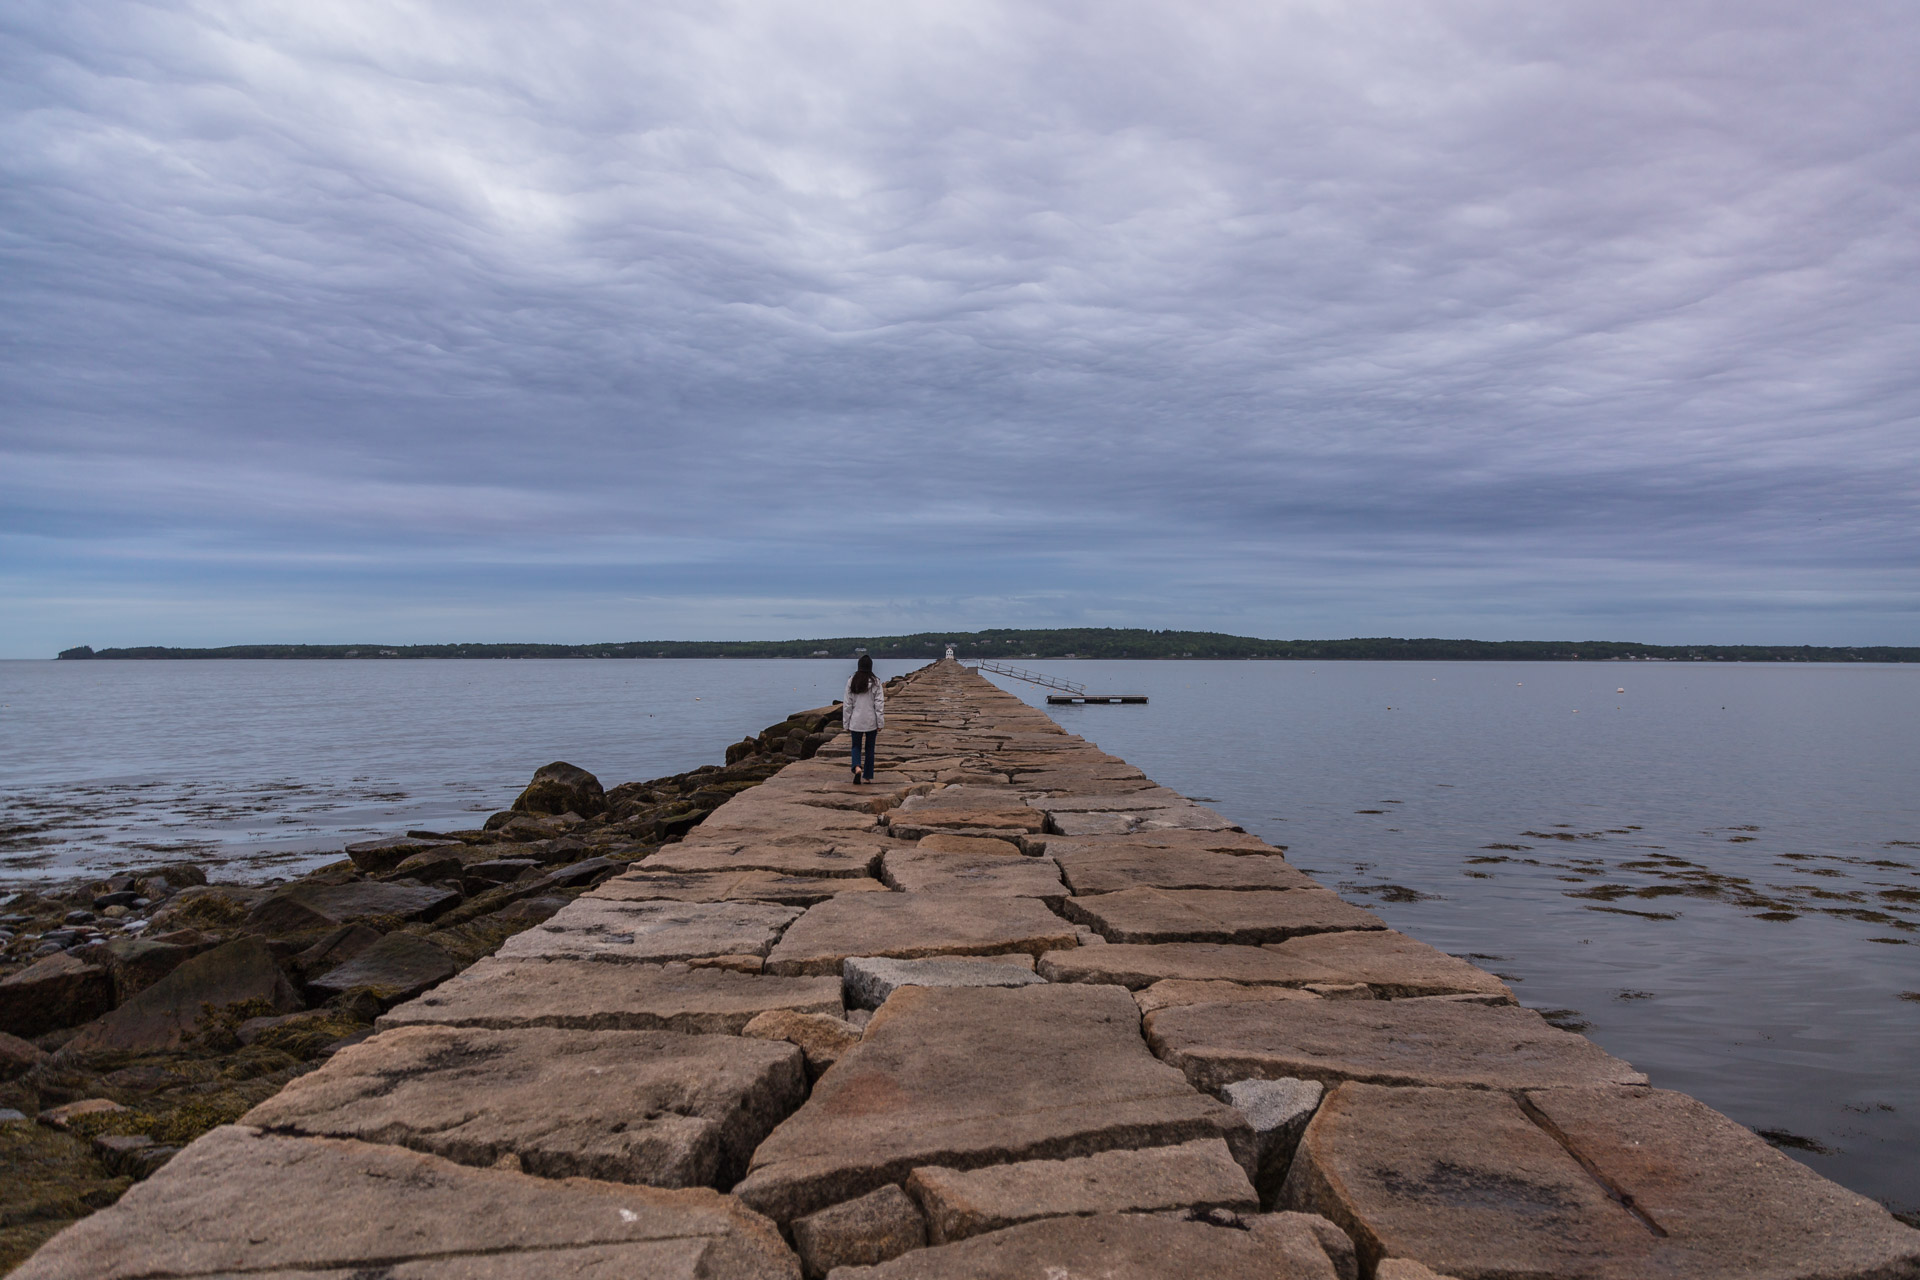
(863, 748)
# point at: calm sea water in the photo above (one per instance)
(1717, 870)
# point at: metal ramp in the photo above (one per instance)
(1070, 694)
(1021, 673)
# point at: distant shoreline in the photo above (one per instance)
(1017, 646)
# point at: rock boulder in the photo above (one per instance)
(180, 1005)
(563, 788)
(59, 991)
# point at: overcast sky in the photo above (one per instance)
(488, 321)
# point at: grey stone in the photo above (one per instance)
(869, 980)
(1278, 1111)
(17, 1055)
(1011, 872)
(822, 1037)
(1378, 1041)
(397, 967)
(239, 1202)
(732, 886)
(1120, 1247)
(1091, 867)
(1178, 991)
(1192, 1175)
(1729, 1203)
(177, 1008)
(1240, 917)
(58, 991)
(1135, 966)
(335, 949)
(1391, 963)
(880, 1225)
(562, 788)
(914, 926)
(300, 905)
(651, 932)
(377, 857)
(584, 995)
(654, 1107)
(967, 1076)
(804, 855)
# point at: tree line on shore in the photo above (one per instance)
(1072, 642)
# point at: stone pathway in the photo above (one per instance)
(1012, 1010)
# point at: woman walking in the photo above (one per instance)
(864, 712)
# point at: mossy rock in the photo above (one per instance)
(51, 1176)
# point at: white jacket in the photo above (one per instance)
(864, 711)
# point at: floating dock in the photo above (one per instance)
(1011, 1010)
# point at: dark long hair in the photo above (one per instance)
(863, 678)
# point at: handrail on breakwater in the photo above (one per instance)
(1021, 673)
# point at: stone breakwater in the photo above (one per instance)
(1012, 1010)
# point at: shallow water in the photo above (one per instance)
(270, 767)
(1681, 811)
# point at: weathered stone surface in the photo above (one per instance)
(1090, 868)
(802, 856)
(971, 1076)
(822, 1037)
(1192, 1175)
(1391, 963)
(967, 844)
(1729, 1203)
(377, 857)
(335, 949)
(1177, 991)
(562, 788)
(1136, 800)
(732, 886)
(312, 906)
(17, 1055)
(138, 963)
(914, 925)
(959, 808)
(397, 967)
(1177, 817)
(1278, 1111)
(177, 1006)
(1380, 1042)
(440, 863)
(1197, 842)
(583, 995)
(880, 1225)
(238, 1202)
(651, 932)
(1462, 1181)
(1135, 966)
(63, 1116)
(1120, 1247)
(739, 964)
(869, 980)
(1405, 1269)
(1242, 918)
(58, 991)
(1000, 872)
(654, 1107)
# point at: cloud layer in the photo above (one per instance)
(479, 321)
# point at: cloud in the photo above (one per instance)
(1292, 319)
